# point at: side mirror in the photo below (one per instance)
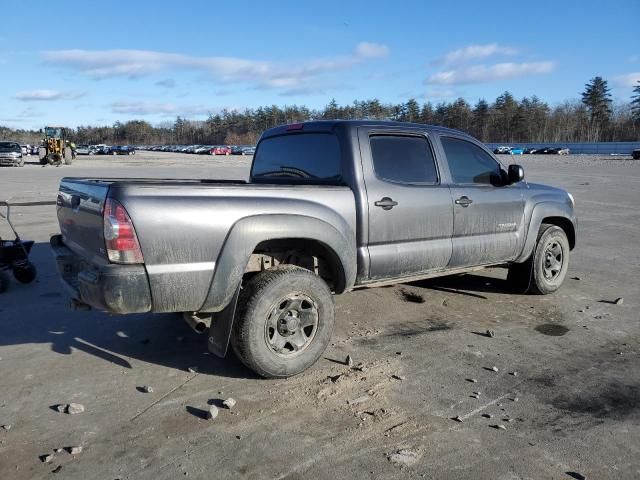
(516, 174)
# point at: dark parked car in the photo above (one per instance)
(636, 154)
(329, 206)
(11, 154)
(122, 150)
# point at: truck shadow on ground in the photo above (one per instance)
(39, 313)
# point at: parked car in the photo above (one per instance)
(530, 150)
(26, 150)
(516, 151)
(249, 151)
(85, 150)
(262, 258)
(11, 154)
(636, 154)
(34, 149)
(563, 151)
(502, 150)
(220, 150)
(102, 149)
(122, 150)
(203, 149)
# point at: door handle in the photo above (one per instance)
(386, 203)
(464, 201)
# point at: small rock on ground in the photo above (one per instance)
(147, 389)
(46, 458)
(193, 369)
(212, 413)
(404, 457)
(75, 450)
(491, 333)
(229, 403)
(6, 427)
(494, 369)
(619, 301)
(74, 408)
(457, 418)
(349, 361)
(499, 427)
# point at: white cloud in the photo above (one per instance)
(371, 50)
(150, 108)
(627, 80)
(260, 73)
(473, 52)
(489, 73)
(47, 95)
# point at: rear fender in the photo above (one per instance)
(248, 232)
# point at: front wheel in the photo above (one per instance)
(545, 271)
(284, 321)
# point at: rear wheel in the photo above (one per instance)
(284, 321)
(26, 273)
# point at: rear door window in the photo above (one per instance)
(403, 159)
(305, 157)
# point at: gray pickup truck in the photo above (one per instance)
(330, 206)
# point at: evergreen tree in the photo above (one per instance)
(597, 98)
(411, 111)
(635, 103)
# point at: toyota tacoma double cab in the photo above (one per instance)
(330, 206)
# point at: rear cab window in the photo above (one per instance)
(403, 159)
(298, 158)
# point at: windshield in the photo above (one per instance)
(302, 156)
(55, 132)
(9, 147)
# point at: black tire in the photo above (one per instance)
(267, 303)
(26, 273)
(544, 272)
(5, 280)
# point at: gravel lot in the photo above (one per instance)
(572, 409)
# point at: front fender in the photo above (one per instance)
(248, 232)
(539, 213)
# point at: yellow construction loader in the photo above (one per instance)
(54, 149)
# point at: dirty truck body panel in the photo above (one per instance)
(383, 201)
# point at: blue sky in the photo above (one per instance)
(155, 60)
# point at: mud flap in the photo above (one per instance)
(221, 326)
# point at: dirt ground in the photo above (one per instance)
(566, 390)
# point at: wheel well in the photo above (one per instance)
(566, 225)
(306, 253)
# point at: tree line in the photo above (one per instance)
(593, 118)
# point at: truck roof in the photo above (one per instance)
(329, 125)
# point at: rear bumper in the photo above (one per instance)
(112, 288)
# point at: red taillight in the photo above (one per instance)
(295, 126)
(119, 235)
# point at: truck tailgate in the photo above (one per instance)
(80, 205)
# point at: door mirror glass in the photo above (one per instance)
(516, 173)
